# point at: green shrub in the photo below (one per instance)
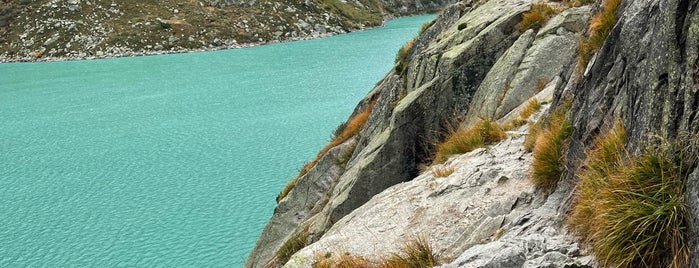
(464, 140)
(631, 208)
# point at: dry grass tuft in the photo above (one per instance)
(600, 26)
(342, 261)
(442, 171)
(631, 208)
(547, 165)
(342, 134)
(536, 17)
(464, 140)
(402, 56)
(532, 107)
(415, 254)
(289, 248)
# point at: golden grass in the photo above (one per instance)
(547, 164)
(402, 56)
(415, 254)
(532, 135)
(600, 26)
(289, 248)
(631, 208)
(442, 171)
(342, 261)
(536, 17)
(351, 128)
(532, 107)
(464, 140)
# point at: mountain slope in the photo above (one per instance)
(95, 28)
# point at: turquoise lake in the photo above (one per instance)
(170, 160)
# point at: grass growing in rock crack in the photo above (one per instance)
(532, 107)
(402, 56)
(631, 208)
(536, 17)
(342, 134)
(601, 25)
(463, 140)
(289, 248)
(442, 171)
(547, 163)
(415, 253)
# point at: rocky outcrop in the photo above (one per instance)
(452, 71)
(484, 214)
(54, 29)
(474, 62)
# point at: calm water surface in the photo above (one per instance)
(171, 160)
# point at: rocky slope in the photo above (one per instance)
(44, 29)
(474, 62)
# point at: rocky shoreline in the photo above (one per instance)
(7, 59)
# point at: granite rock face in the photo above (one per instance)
(475, 62)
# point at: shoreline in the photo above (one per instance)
(106, 55)
(29, 59)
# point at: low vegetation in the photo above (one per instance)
(440, 171)
(415, 254)
(463, 140)
(532, 107)
(631, 208)
(537, 16)
(575, 3)
(402, 56)
(547, 164)
(426, 26)
(601, 25)
(289, 248)
(344, 132)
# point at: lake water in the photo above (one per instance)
(170, 160)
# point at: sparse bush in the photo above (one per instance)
(536, 17)
(350, 129)
(402, 56)
(600, 26)
(464, 140)
(631, 208)
(547, 165)
(532, 135)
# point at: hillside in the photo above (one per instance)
(31, 30)
(513, 134)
